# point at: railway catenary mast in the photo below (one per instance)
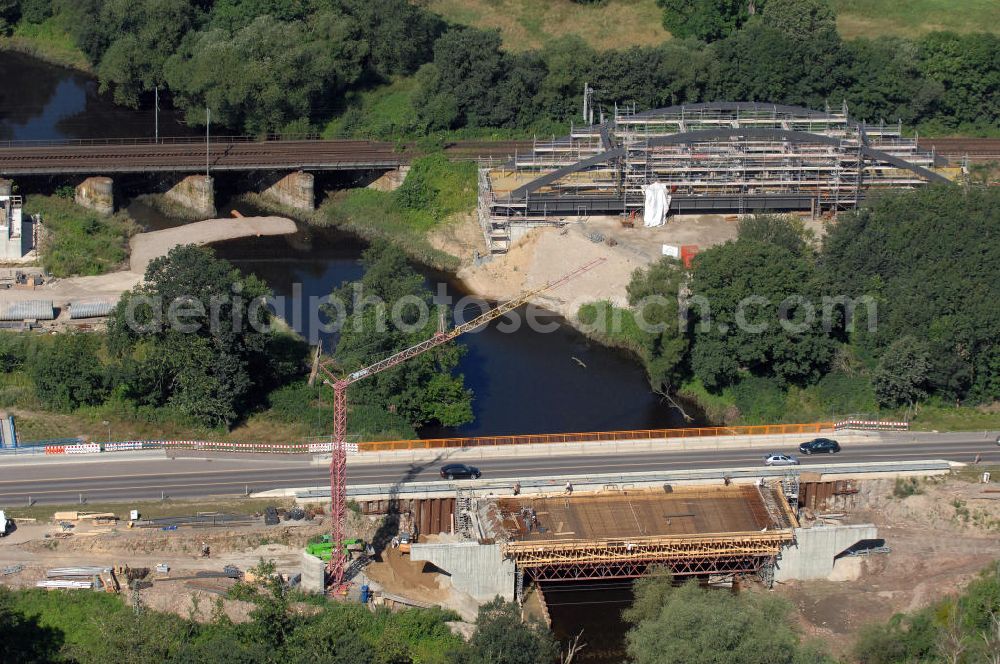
(338, 457)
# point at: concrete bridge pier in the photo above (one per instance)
(97, 194)
(390, 180)
(295, 190)
(195, 193)
(6, 187)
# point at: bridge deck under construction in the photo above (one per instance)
(737, 529)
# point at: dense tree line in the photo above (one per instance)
(690, 624)
(84, 628)
(285, 65)
(897, 304)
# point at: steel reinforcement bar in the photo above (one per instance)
(594, 436)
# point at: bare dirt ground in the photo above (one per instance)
(547, 253)
(461, 236)
(185, 589)
(940, 540)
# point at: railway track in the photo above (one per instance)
(978, 150)
(242, 153)
(192, 157)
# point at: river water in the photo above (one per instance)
(524, 381)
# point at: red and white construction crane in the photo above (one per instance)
(338, 458)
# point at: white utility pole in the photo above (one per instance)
(208, 124)
(156, 124)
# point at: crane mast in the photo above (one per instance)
(338, 457)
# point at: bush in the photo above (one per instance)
(760, 400)
(68, 372)
(79, 241)
(906, 487)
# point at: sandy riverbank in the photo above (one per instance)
(545, 254)
(146, 247)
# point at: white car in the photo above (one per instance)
(780, 460)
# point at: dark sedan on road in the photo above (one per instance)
(459, 471)
(820, 446)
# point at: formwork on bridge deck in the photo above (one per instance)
(737, 529)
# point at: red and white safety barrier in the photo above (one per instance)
(352, 448)
(88, 448)
(55, 449)
(872, 425)
(119, 447)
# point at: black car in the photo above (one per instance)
(459, 471)
(820, 446)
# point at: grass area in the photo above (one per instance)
(875, 18)
(611, 326)
(528, 24)
(48, 41)
(940, 417)
(617, 24)
(155, 509)
(78, 241)
(434, 190)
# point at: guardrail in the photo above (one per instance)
(623, 480)
(595, 436)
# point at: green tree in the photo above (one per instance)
(468, 67)
(10, 12)
(800, 19)
(901, 373)
(707, 20)
(502, 637)
(653, 295)
(780, 230)
(764, 63)
(69, 374)
(399, 35)
(921, 256)
(268, 74)
(756, 310)
(967, 69)
(669, 627)
(388, 310)
(194, 336)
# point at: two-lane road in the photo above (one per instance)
(189, 477)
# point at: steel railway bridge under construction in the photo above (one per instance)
(719, 157)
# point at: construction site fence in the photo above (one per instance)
(872, 425)
(437, 443)
(200, 445)
(596, 436)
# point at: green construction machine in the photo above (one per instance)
(323, 548)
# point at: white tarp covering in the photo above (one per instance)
(657, 204)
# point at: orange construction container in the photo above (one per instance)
(688, 252)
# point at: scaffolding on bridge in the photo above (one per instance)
(726, 157)
(699, 531)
